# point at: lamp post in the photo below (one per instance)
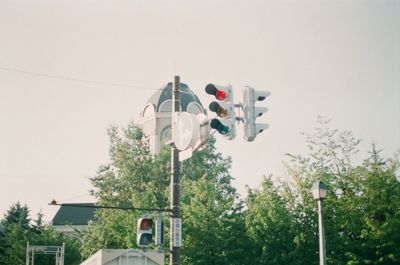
(319, 191)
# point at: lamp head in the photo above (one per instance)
(319, 190)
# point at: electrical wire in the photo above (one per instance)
(14, 70)
(76, 197)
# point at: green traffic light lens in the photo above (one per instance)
(145, 239)
(219, 126)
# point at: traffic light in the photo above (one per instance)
(251, 112)
(144, 231)
(224, 108)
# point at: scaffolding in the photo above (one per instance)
(32, 250)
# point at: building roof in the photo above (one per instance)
(165, 94)
(74, 215)
(126, 256)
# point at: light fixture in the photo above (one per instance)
(319, 190)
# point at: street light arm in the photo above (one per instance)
(109, 207)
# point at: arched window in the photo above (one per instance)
(148, 110)
(194, 108)
(166, 106)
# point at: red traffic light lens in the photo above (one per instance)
(221, 95)
(146, 224)
(218, 93)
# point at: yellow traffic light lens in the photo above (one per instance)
(222, 112)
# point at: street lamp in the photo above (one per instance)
(319, 191)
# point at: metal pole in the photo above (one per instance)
(322, 251)
(62, 254)
(175, 225)
(27, 253)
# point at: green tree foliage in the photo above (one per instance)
(211, 210)
(16, 230)
(278, 222)
(269, 223)
(369, 229)
(213, 226)
(132, 179)
(17, 214)
(361, 211)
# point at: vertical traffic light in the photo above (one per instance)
(224, 108)
(144, 231)
(251, 112)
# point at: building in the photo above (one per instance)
(155, 117)
(125, 257)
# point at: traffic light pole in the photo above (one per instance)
(175, 224)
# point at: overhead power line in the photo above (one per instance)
(7, 69)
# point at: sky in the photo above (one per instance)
(338, 59)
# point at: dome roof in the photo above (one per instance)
(162, 100)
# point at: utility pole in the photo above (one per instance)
(176, 224)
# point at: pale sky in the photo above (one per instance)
(339, 59)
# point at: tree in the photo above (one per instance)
(213, 226)
(16, 230)
(361, 211)
(17, 214)
(362, 208)
(213, 215)
(211, 210)
(14, 235)
(132, 179)
(269, 223)
(374, 238)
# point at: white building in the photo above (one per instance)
(125, 257)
